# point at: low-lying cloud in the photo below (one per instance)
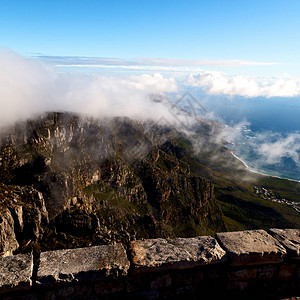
(273, 146)
(29, 87)
(219, 83)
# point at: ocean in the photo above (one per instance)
(266, 132)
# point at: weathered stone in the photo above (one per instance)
(267, 272)
(109, 288)
(215, 272)
(237, 286)
(286, 272)
(146, 295)
(22, 217)
(162, 254)
(251, 247)
(161, 281)
(17, 214)
(82, 264)
(298, 274)
(242, 275)
(15, 272)
(8, 240)
(140, 282)
(290, 238)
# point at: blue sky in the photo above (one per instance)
(104, 58)
(257, 31)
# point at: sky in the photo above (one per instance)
(241, 59)
(216, 34)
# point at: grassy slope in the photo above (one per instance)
(234, 191)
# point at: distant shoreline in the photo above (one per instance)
(260, 173)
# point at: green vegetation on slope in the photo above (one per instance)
(234, 191)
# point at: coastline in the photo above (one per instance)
(258, 172)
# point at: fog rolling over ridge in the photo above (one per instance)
(30, 87)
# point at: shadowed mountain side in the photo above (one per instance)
(107, 180)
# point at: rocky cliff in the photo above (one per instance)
(69, 181)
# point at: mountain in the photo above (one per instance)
(69, 181)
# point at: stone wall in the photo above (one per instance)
(240, 265)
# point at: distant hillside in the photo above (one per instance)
(69, 181)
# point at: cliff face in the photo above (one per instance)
(99, 181)
(23, 217)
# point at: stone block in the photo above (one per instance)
(237, 286)
(286, 272)
(267, 272)
(180, 253)
(242, 275)
(187, 278)
(298, 274)
(290, 239)
(161, 281)
(15, 272)
(81, 264)
(109, 288)
(251, 247)
(139, 282)
(215, 273)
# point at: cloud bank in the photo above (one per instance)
(29, 87)
(272, 147)
(219, 83)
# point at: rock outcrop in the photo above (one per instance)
(114, 179)
(23, 216)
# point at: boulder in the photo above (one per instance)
(91, 263)
(180, 253)
(251, 247)
(290, 238)
(15, 272)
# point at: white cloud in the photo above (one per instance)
(200, 62)
(272, 147)
(217, 83)
(28, 87)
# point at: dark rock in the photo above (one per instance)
(77, 222)
(23, 216)
(8, 240)
(286, 272)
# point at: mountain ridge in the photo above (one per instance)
(92, 183)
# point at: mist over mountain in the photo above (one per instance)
(29, 87)
(126, 157)
(113, 179)
(72, 181)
